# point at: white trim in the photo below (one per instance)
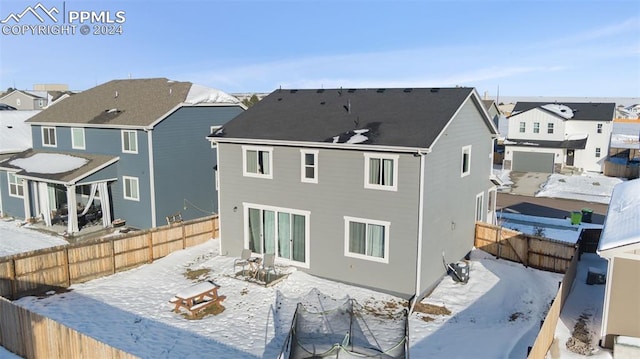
(152, 179)
(213, 129)
(219, 205)
(307, 231)
(257, 149)
(465, 149)
(420, 231)
(303, 166)
(607, 300)
(483, 211)
(124, 188)
(122, 134)
(327, 145)
(382, 156)
(18, 183)
(84, 139)
(55, 136)
(385, 224)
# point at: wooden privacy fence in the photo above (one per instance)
(31, 335)
(537, 252)
(547, 331)
(58, 267)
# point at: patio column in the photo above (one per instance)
(105, 204)
(27, 199)
(72, 210)
(43, 200)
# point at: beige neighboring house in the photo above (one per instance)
(25, 100)
(620, 246)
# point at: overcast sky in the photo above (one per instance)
(541, 48)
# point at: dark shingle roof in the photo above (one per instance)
(139, 102)
(596, 111)
(580, 144)
(395, 117)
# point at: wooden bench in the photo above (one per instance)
(196, 297)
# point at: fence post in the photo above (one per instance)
(498, 241)
(14, 284)
(66, 266)
(184, 236)
(150, 236)
(113, 256)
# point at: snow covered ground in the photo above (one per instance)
(496, 314)
(17, 239)
(589, 187)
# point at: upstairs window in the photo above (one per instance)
(597, 151)
(523, 127)
(49, 136)
(599, 128)
(129, 141)
(131, 188)
(381, 171)
(465, 168)
(258, 161)
(309, 166)
(536, 127)
(16, 188)
(550, 128)
(77, 138)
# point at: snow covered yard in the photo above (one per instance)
(496, 314)
(589, 187)
(15, 238)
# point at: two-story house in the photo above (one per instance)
(26, 100)
(376, 187)
(547, 137)
(134, 149)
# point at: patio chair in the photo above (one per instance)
(269, 266)
(243, 261)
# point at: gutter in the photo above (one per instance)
(420, 229)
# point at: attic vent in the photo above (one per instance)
(435, 89)
(408, 90)
(320, 91)
(380, 90)
(112, 110)
(322, 103)
(351, 90)
(279, 98)
(294, 91)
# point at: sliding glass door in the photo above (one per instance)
(283, 232)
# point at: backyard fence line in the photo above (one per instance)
(59, 267)
(31, 335)
(533, 251)
(546, 335)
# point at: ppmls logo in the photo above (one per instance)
(40, 20)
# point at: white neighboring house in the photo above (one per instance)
(547, 137)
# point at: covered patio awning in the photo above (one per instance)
(41, 168)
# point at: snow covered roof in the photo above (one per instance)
(55, 167)
(622, 225)
(585, 111)
(140, 102)
(562, 110)
(15, 133)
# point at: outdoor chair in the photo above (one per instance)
(243, 261)
(269, 266)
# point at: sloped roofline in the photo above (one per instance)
(22, 92)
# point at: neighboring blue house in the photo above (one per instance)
(375, 187)
(134, 150)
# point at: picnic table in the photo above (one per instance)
(196, 297)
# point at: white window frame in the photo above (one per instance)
(381, 156)
(132, 180)
(522, 127)
(15, 183)
(213, 129)
(536, 127)
(51, 130)
(599, 128)
(598, 152)
(304, 166)
(135, 140)
(480, 211)
(74, 145)
(258, 149)
(367, 222)
(550, 128)
(465, 150)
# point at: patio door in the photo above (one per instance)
(279, 231)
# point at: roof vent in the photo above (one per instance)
(351, 90)
(380, 90)
(294, 91)
(279, 98)
(322, 103)
(116, 95)
(320, 91)
(408, 90)
(435, 89)
(112, 110)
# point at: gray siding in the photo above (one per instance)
(183, 161)
(450, 199)
(11, 206)
(339, 192)
(26, 102)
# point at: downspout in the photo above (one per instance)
(152, 178)
(420, 229)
